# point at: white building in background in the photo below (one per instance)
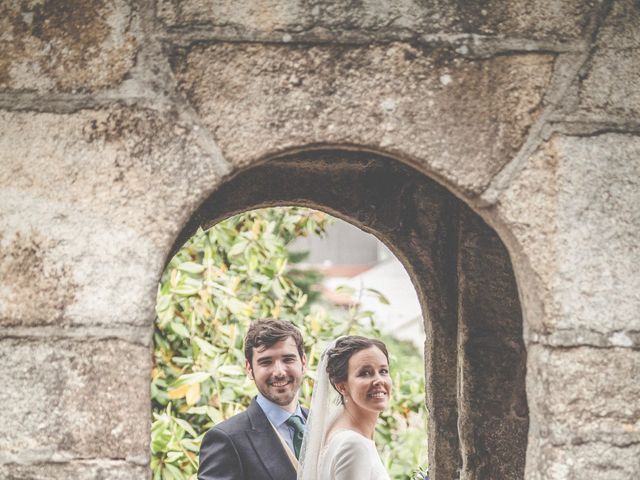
(355, 259)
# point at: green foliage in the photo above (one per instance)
(216, 284)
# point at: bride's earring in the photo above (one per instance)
(345, 399)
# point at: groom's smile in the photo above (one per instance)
(279, 384)
(278, 372)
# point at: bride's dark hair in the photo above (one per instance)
(339, 355)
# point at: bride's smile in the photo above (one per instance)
(378, 394)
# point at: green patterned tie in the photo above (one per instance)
(298, 432)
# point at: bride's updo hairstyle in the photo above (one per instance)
(338, 357)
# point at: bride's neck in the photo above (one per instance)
(363, 422)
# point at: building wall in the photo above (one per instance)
(119, 118)
(342, 245)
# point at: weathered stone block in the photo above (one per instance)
(605, 90)
(399, 19)
(464, 118)
(70, 400)
(90, 203)
(503, 459)
(78, 470)
(75, 45)
(599, 460)
(584, 396)
(573, 211)
(80, 271)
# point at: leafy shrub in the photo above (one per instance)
(215, 285)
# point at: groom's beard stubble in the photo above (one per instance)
(282, 390)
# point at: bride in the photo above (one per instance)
(352, 387)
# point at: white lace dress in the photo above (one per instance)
(350, 456)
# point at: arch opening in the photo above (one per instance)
(475, 358)
(224, 278)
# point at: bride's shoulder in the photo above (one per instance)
(348, 451)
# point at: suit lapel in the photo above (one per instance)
(267, 445)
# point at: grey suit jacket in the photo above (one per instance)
(244, 447)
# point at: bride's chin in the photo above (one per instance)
(382, 405)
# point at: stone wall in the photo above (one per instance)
(119, 119)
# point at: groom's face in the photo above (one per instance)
(278, 372)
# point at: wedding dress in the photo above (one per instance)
(350, 456)
(347, 455)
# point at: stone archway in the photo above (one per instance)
(475, 354)
(513, 108)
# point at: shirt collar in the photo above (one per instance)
(275, 413)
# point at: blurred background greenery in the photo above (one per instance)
(220, 280)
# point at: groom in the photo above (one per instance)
(263, 442)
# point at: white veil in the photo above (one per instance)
(322, 413)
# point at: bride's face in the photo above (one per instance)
(368, 383)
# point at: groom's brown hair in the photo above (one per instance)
(265, 333)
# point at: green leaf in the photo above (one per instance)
(214, 414)
(346, 290)
(201, 410)
(180, 329)
(206, 347)
(191, 378)
(174, 472)
(185, 290)
(235, 305)
(185, 425)
(191, 444)
(174, 456)
(297, 257)
(160, 436)
(163, 303)
(231, 370)
(191, 267)
(380, 296)
(228, 395)
(238, 248)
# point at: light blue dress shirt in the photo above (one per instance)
(278, 416)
